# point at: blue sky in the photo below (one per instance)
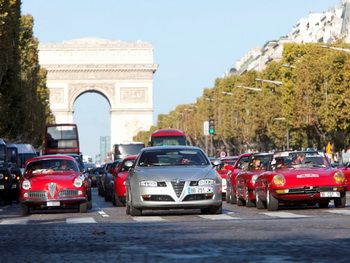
(194, 42)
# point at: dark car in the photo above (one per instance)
(6, 178)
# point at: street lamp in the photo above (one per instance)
(226, 93)
(250, 88)
(288, 66)
(270, 81)
(336, 48)
(209, 99)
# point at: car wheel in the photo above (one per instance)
(135, 211)
(214, 210)
(228, 195)
(89, 204)
(233, 199)
(117, 201)
(272, 202)
(240, 201)
(8, 197)
(248, 201)
(323, 204)
(83, 207)
(340, 202)
(259, 203)
(107, 196)
(24, 209)
(127, 203)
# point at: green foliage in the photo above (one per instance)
(24, 108)
(312, 104)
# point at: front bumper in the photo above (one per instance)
(310, 192)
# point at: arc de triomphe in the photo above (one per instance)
(121, 72)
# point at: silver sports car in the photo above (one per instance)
(173, 177)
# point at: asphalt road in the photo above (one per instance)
(240, 234)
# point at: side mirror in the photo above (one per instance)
(216, 162)
(228, 167)
(129, 164)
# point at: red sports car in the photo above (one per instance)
(54, 181)
(245, 180)
(118, 181)
(300, 178)
(233, 170)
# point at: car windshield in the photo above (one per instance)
(173, 157)
(50, 165)
(300, 160)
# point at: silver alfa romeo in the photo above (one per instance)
(173, 177)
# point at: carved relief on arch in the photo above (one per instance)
(76, 89)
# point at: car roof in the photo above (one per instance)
(170, 147)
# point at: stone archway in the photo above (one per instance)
(121, 72)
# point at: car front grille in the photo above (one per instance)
(36, 194)
(68, 192)
(198, 197)
(178, 186)
(311, 191)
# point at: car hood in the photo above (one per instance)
(57, 177)
(178, 172)
(311, 175)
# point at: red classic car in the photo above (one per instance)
(245, 180)
(233, 171)
(120, 173)
(300, 178)
(231, 160)
(54, 181)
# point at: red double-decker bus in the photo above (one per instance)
(61, 138)
(167, 137)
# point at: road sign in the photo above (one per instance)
(206, 128)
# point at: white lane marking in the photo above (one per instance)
(102, 213)
(284, 215)
(342, 212)
(219, 217)
(80, 220)
(14, 222)
(148, 218)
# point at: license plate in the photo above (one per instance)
(330, 194)
(200, 190)
(51, 203)
(2, 186)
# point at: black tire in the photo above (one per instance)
(259, 203)
(233, 199)
(135, 211)
(8, 197)
(340, 202)
(248, 201)
(240, 201)
(117, 201)
(107, 196)
(89, 204)
(272, 202)
(323, 204)
(83, 207)
(227, 199)
(127, 203)
(24, 210)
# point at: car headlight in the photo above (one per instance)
(254, 177)
(279, 180)
(339, 177)
(206, 181)
(148, 183)
(26, 185)
(78, 182)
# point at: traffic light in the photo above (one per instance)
(211, 126)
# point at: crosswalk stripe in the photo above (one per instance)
(342, 212)
(14, 222)
(284, 215)
(148, 218)
(80, 220)
(219, 217)
(102, 213)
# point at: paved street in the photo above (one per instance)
(240, 234)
